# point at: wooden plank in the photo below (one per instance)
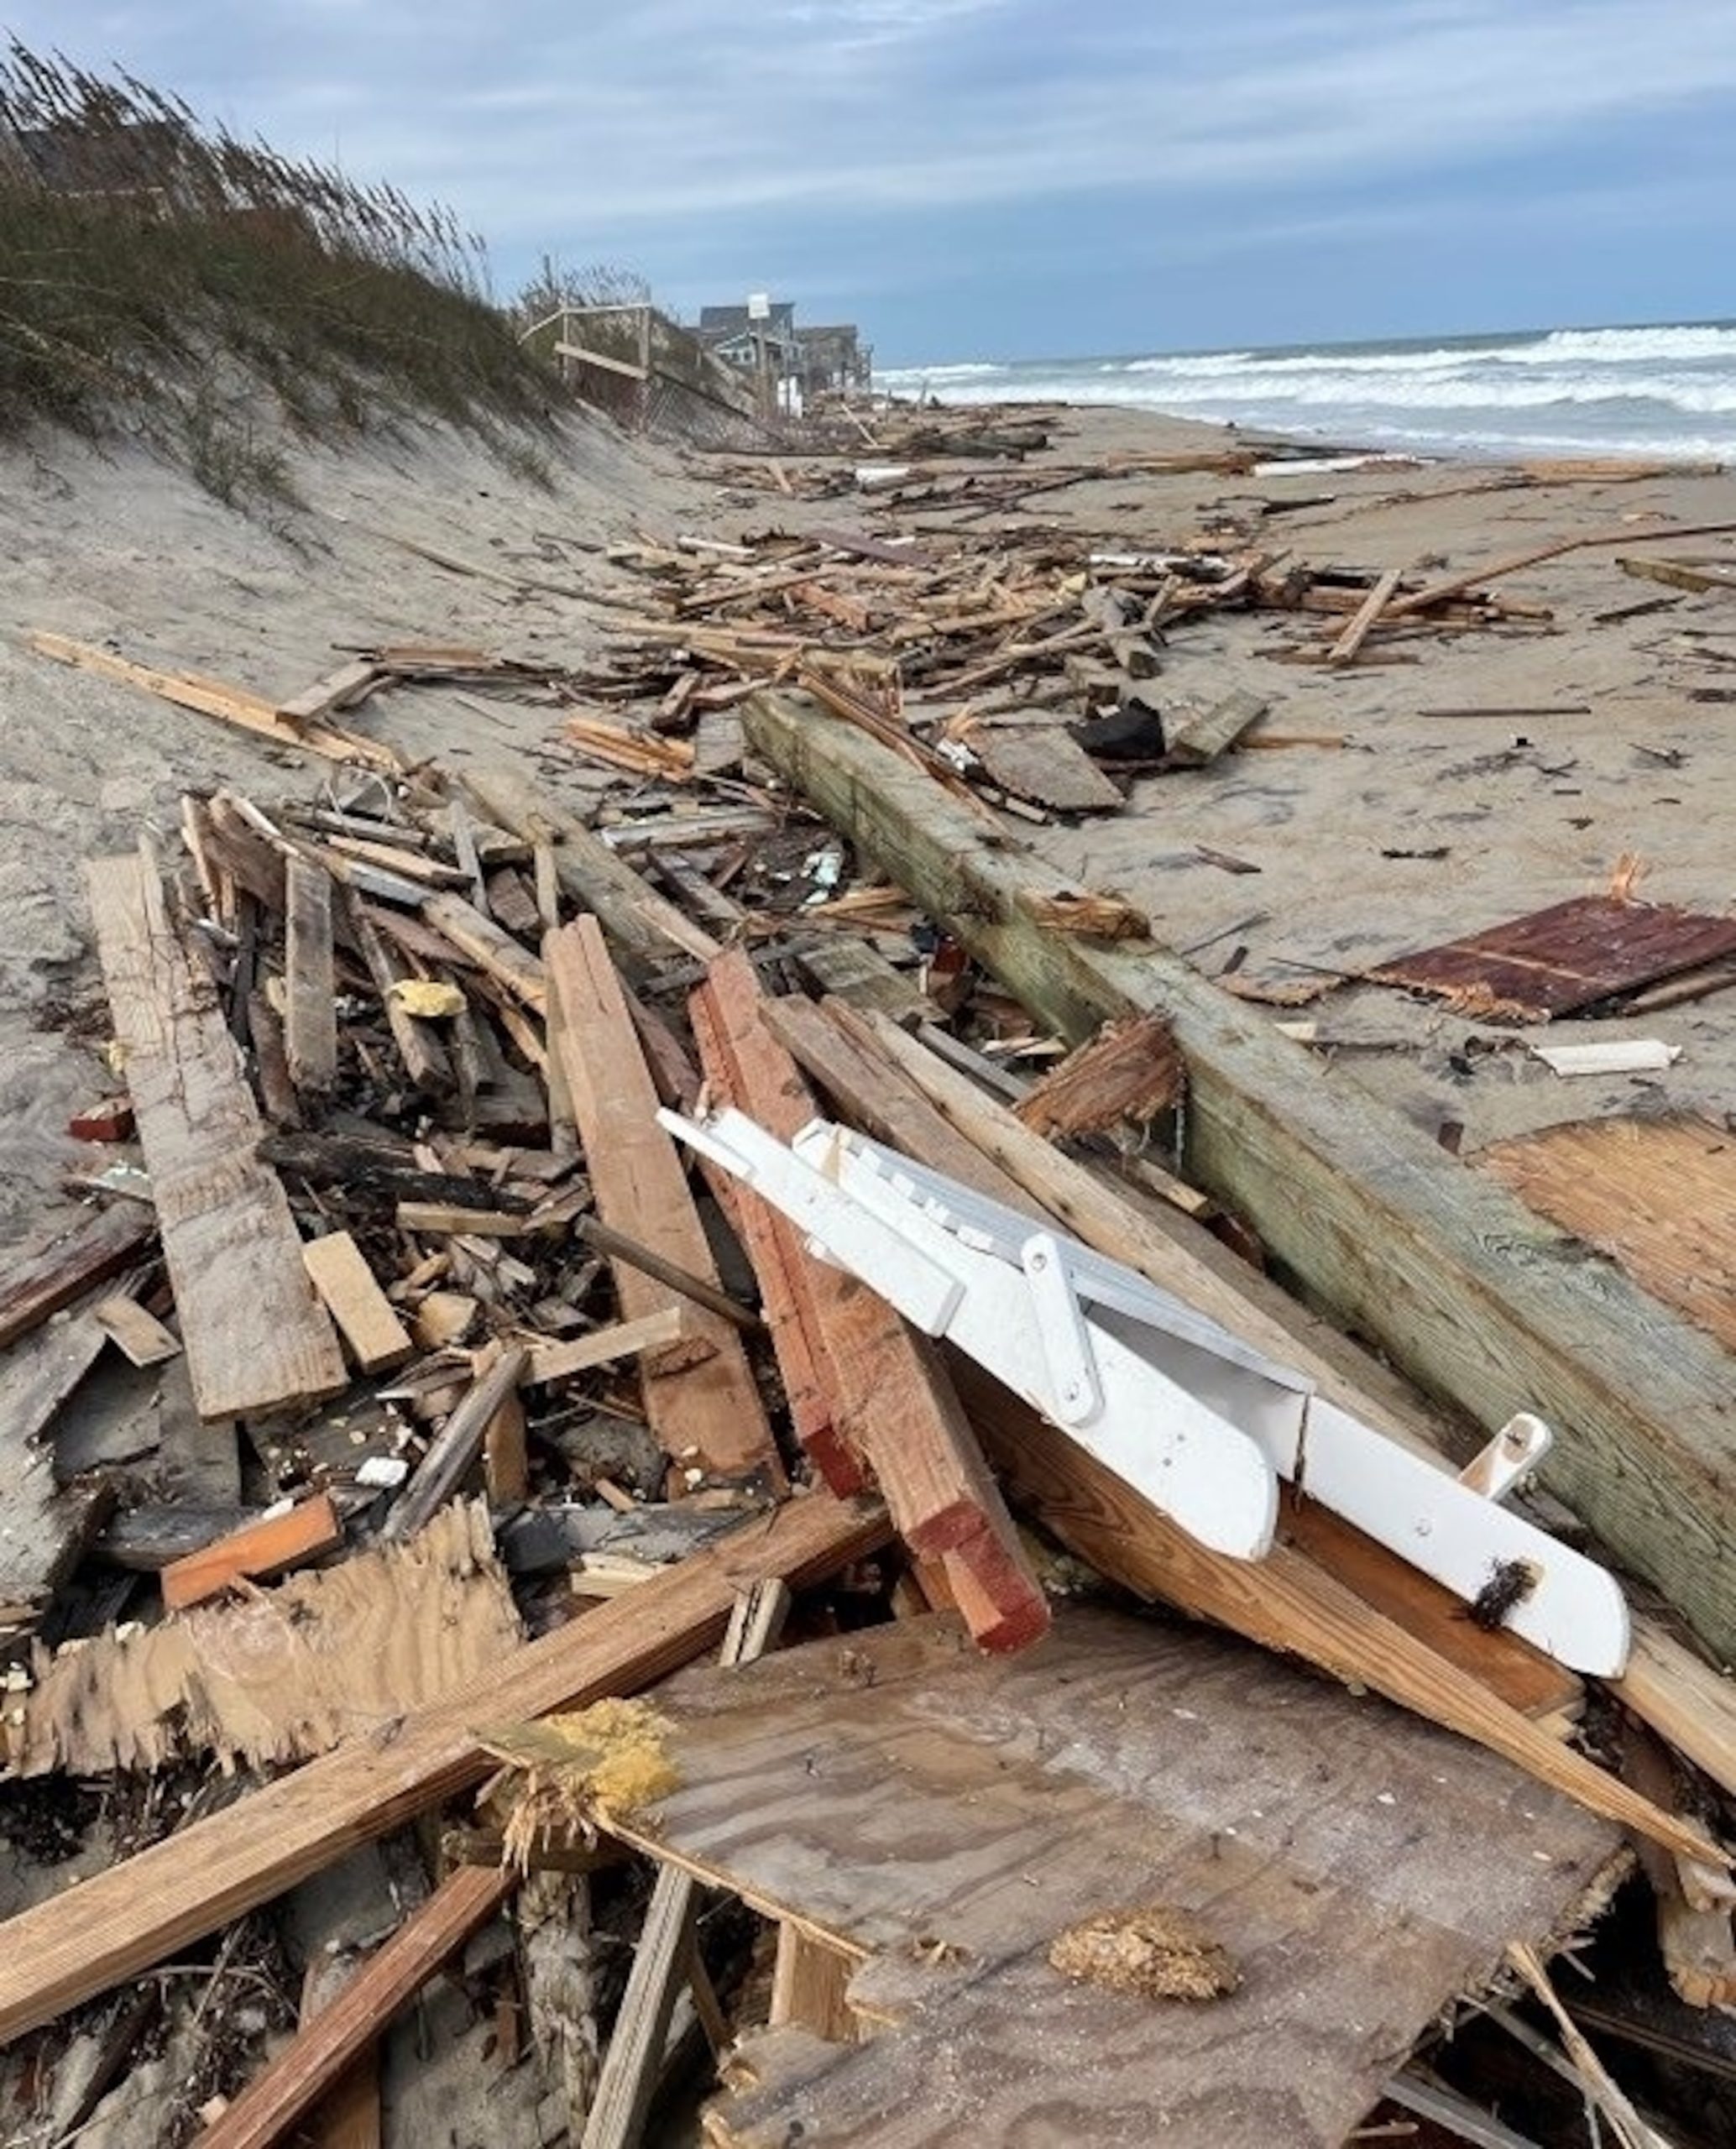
(139, 1335)
(318, 2056)
(855, 970)
(120, 1922)
(1194, 738)
(626, 1339)
(231, 705)
(1284, 1601)
(1658, 1195)
(810, 1983)
(373, 1334)
(1363, 620)
(708, 1417)
(643, 925)
(1691, 1706)
(890, 1400)
(628, 2080)
(45, 1529)
(99, 1246)
(1043, 763)
(256, 1337)
(940, 1818)
(263, 1549)
(277, 1675)
(488, 946)
(338, 689)
(1452, 1277)
(454, 1448)
(420, 1044)
(310, 1026)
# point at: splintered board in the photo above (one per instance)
(1657, 1195)
(256, 1337)
(282, 1674)
(946, 1816)
(1558, 961)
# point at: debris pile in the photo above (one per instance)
(527, 1251)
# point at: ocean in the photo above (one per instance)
(1666, 391)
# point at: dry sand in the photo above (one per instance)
(120, 549)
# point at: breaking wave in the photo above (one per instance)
(1661, 390)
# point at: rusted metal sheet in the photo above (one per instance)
(1563, 961)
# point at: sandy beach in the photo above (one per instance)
(1398, 828)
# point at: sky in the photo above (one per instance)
(1005, 178)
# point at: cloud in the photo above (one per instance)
(670, 132)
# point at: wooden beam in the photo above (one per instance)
(1462, 1287)
(256, 1337)
(139, 1336)
(708, 1417)
(120, 1922)
(99, 1246)
(317, 2056)
(310, 981)
(373, 1334)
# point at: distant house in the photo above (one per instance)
(737, 337)
(832, 361)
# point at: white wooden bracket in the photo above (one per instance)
(1197, 1421)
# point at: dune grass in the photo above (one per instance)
(158, 273)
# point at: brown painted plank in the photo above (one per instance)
(710, 1416)
(318, 2054)
(310, 1528)
(99, 1246)
(121, 1921)
(256, 1337)
(890, 1400)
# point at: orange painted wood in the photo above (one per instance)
(708, 1415)
(263, 1548)
(889, 1396)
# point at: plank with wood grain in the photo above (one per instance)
(99, 1246)
(256, 1337)
(310, 980)
(936, 1818)
(707, 1416)
(120, 1922)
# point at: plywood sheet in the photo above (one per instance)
(1560, 960)
(1658, 1195)
(946, 1816)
